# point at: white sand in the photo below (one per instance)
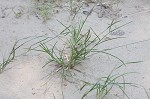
(23, 77)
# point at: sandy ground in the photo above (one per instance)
(23, 78)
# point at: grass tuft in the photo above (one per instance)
(12, 55)
(79, 46)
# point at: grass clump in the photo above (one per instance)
(78, 47)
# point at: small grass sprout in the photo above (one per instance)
(43, 10)
(9, 59)
(18, 14)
